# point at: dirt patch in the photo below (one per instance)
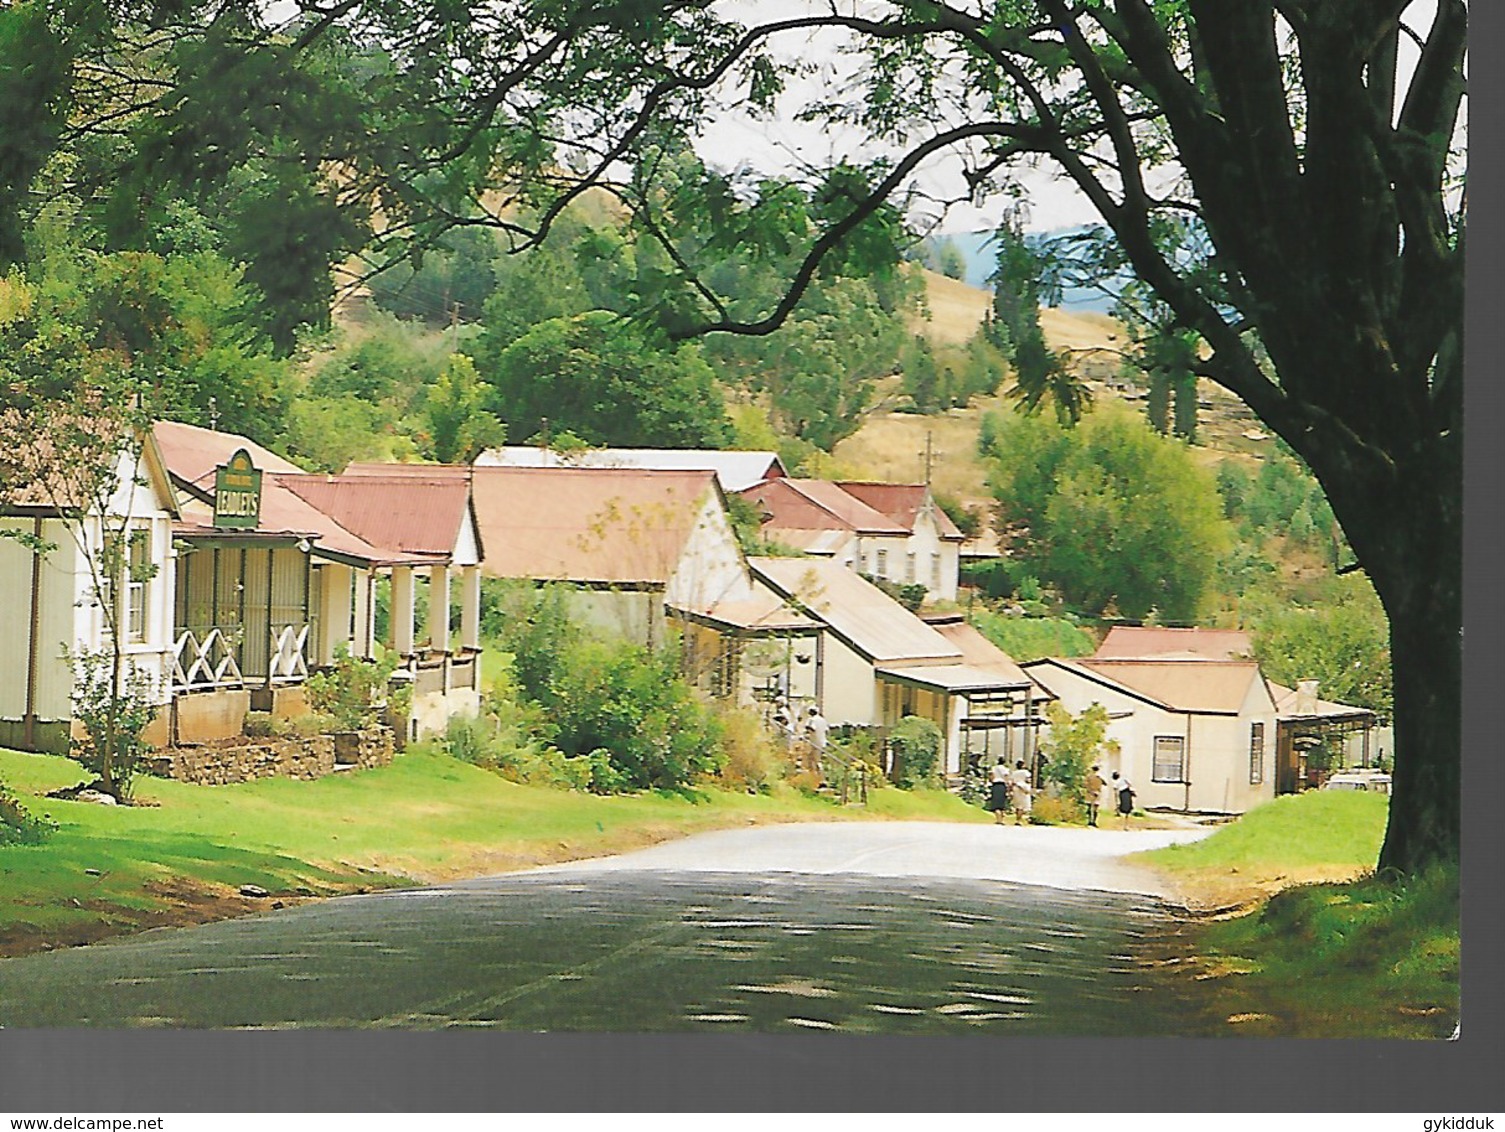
(1234, 891)
(180, 903)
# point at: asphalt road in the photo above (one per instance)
(871, 927)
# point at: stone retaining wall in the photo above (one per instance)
(216, 764)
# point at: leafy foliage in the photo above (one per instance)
(352, 691)
(114, 713)
(916, 746)
(1110, 513)
(17, 826)
(1342, 643)
(1031, 638)
(1075, 744)
(620, 705)
(599, 377)
(459, 427)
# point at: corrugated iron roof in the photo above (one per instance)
(952, 679)
(413, 514)
(817, 505)
(902, 502)
(735, 469)
(1134, 642)
(764, 611)
(856, 610)
(1217, 687)
(616, 526)
(284, 513)
(192, 453)
(977, 650)
(1286, 706)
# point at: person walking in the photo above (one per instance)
(816, 732)
(998, 789)
(1125, 794)
(1093, 788)
(1021, 793)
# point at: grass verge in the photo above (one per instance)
(183, 855)
(1335, 951)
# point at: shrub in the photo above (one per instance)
(585, 695)
(17, 826)
(352, 690)
(258, 724)
(632, 702)
(754, 762)
(916, 746)
(1049, 809)
(114, 716)
(1075, 743)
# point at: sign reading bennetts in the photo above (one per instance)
(237, 493)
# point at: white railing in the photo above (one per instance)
(288, 664)
(207, 663)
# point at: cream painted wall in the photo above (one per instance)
(850, 690)
(1217, 746)
(711, 568)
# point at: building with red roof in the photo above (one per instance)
(895, 532)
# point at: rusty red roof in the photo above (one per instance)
(417, 515)
(191, 453)
(602, 526)
(902, 502)
(818, 505)
(1135, 642)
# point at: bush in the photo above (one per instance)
(632, 702)
(754, 761)
(114, 718)
(485, 741)
(258, 724)
(1049, 809)
(352, 690)
(916, 746)
(17, 827)
(585, 695)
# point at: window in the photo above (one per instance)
(137, 572)
(935, 572)
(1256, 753)
(1170, 759)
(880, 563)
(909, 567)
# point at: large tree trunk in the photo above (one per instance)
(1409, 537)
(1427, 663)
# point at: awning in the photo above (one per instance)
(952, 679)
(762, 613)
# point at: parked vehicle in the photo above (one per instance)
(1373, 780)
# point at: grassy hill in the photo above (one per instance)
(891, 445)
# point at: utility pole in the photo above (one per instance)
(929, 453)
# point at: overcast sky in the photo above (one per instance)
(784, 144)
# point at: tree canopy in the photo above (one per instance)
(1110, 513)
(598, 377)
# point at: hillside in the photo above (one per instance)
(891, 445)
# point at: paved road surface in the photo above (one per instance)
(893, 927)
(1071, 858)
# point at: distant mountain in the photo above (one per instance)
(981, 258)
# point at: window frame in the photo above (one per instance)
(1155, 758)
(1257, 753)
(138, 559)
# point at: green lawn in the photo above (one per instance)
(1362, 958)
(1314, 830)
(426, 817)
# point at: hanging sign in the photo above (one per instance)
(237, 493)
